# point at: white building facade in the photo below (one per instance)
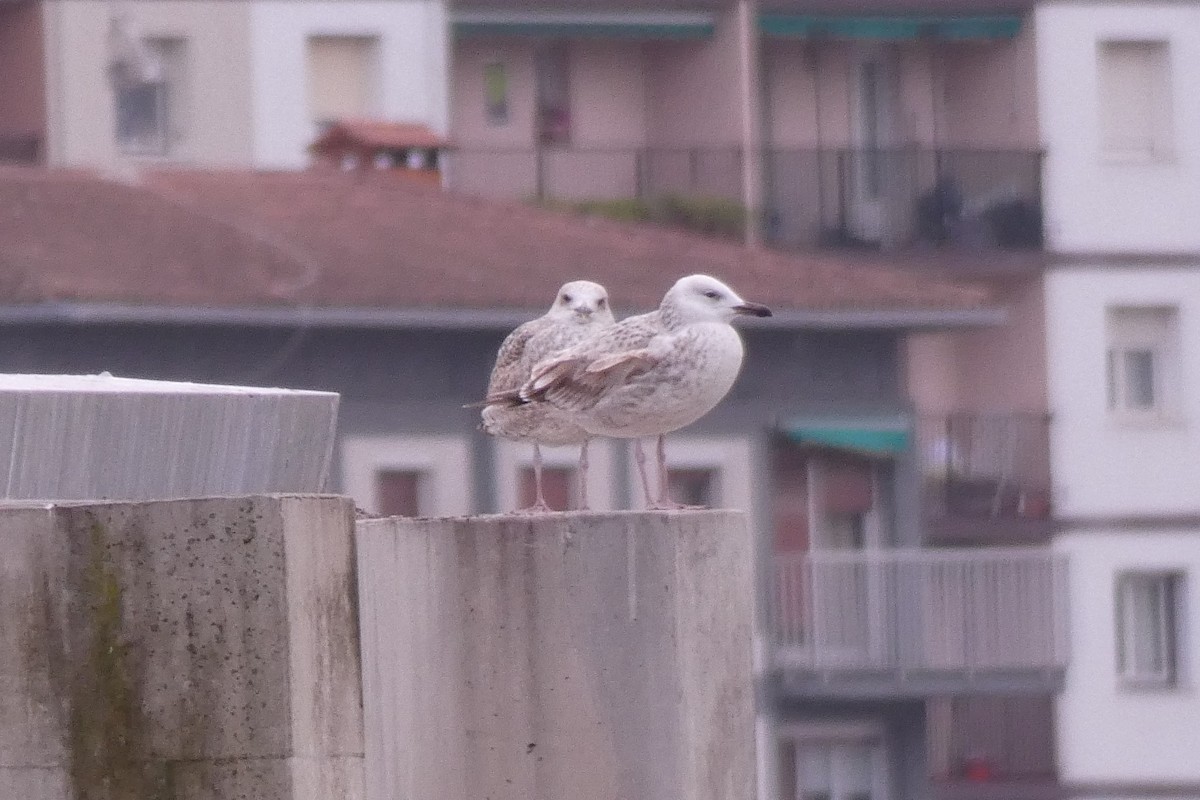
(1120, 118)
(207, 83)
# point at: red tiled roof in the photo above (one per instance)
(336, 240)
(377, 134)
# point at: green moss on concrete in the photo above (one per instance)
(106, 728)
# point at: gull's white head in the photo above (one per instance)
(703, 298)
(583, 302)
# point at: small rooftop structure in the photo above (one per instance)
(98, 437)
(409, 148)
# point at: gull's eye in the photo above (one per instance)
(601, 302)
(566, 298)
(711, 295)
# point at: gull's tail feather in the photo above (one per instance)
(509, 399)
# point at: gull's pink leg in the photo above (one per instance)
(539, 504)
(664, 502)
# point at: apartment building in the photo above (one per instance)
(1120, 117)
(121, 85)
(915, 606)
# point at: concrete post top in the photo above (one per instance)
(50, 505)
(555, 518)
(104, 383)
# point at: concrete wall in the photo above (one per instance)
(692, 93)
(591, 656)
(1107, 733)
(1095, 203)
(468, 96)
(413, 69)
(23, 89)
(1000, 368)
(190, 649)
(216, 126)
(1104, 465)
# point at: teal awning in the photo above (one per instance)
(632, 25)
(810, 26)
(883, 439)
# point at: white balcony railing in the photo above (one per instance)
(977, 610)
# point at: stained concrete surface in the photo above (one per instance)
(181, 649)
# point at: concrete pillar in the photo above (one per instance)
(190, 650)
(595, 656)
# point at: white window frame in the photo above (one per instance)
(731, 457)
(164, 78)
(1163, 346)
(510, 458)
(868, 732)
(1169, 586)
(446, 461)
(1161, 147)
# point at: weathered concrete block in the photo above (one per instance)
(592, 656)
(92, 437)
(181, 649)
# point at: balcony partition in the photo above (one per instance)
(909, 614)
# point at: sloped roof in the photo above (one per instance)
(336, 240)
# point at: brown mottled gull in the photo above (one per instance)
(580, 310)
(647, 375)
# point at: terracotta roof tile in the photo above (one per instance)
(330, 239)
(371, 133)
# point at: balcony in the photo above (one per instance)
(985, 478)
(968, 200)
(920, 621)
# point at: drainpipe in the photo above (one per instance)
(748, 90)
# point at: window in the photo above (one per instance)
(495, 90)
(341, 78)
(558, 488)
(693, 487)
(701, 470)
(408, 475)
(399, 492)
(1134, 83)
(1148, 617)
(1142, 360)
(513, 464)
(148, 82)
(833, 762)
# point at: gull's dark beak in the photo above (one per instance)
(753, 310)
(584, 310)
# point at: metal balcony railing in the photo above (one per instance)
(964, 611)
(813, 197)
(985, 466)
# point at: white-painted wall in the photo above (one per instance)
(1103, 465)
(413, 77)
(1108, 733)
(1092, 202)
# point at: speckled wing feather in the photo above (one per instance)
(578, 377)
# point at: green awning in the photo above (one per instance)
(632, 25)
(883, 439)
(887, 28)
